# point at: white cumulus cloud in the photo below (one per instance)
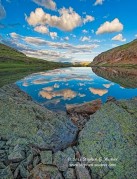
(53, 35)
(49, 4)
(66, 38)
(88, 19)
(119, 37)
(67, 20)
(14, 35)
(84, 31)
(83, 39)
(108, 27)
(41, 29)
(98, 2)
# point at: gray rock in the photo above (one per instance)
(61, 159)
(2, 152)
(16, 172)
(82, 173)
(26, 122)
(17, 154)
(6, 173)
(15, 140)
(30, 159)
(2, 143)
(110, 134)
(13, 165)
(23, 172)
(69, 174)
(2, 165)
(45, 172)
(46, 157)
(36, 161)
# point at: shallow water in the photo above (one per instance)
(56, 88)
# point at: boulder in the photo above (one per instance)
(23, 121)
(79, 113)
(85, 108)
(109, 138)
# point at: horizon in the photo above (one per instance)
(66, 31)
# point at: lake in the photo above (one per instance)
(56, 88)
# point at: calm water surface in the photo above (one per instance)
(56, 88)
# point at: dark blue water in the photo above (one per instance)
(56, 88)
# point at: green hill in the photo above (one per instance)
(124, 55)
(15, 65)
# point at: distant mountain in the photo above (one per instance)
(124, 55)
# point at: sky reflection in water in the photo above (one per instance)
(56, 88)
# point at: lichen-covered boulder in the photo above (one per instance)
(22, 121)
(108, 140)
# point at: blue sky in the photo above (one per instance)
(69, 30)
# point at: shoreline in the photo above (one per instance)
(40, 140)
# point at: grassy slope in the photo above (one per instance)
(14, 65)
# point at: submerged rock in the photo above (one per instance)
(109, 139)
(21, 118)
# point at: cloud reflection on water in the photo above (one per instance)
(99, 92)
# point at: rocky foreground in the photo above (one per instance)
(37, 143)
